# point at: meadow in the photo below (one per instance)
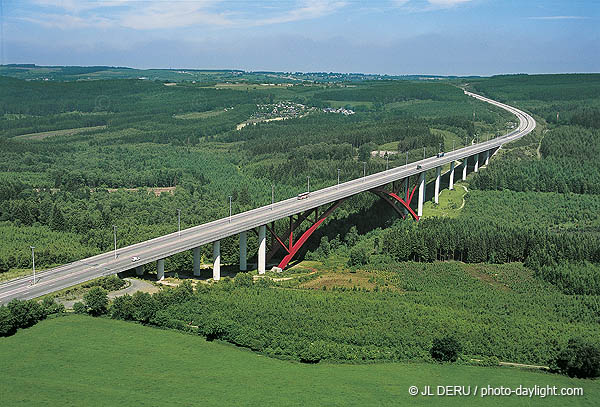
(78, 360)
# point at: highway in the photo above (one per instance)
(164, 246)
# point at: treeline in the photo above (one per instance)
(554, 211)
(412, 306)
(570, 164)
(287, 135)
(476, 241)
(48, 98)
(392, 91)
(547, 88)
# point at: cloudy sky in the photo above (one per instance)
(378, 36)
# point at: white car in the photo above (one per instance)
(135, 258)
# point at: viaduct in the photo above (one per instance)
(319, 203)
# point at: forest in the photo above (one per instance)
(520, 260)
(82, 183)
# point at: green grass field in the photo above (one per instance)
(450, 203)
(82, 361)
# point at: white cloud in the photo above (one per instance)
(559, 18)
(427, 5)
(157, 14)
(447, 3)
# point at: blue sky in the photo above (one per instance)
(446, 37)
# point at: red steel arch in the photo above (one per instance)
(293, 247)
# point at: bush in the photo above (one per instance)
(80, 308)
(446, 349)
(243, 280)
(96, 301)
(52, 307)
(122, 308)
(578, 359)
(359, 256)
(111, 283)
(26, 313)
(144, 307)
(7, 324)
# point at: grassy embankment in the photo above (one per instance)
(78, 360)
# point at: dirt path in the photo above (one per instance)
(134, 285)
(539, 155)
(463, 197)
(286, 278)
(513, 364)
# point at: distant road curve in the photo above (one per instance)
(164, 246)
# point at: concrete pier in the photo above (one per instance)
(262, 249)
(465, 164)
(243, 251)
(160, 269)
(438, 176)
(421, 193)
(139, 270)
(406, 180)
(487, 157)
(451, 182)
(476, 168)
(196, 261)
(217, 260)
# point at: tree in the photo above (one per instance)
(26, 313)
(80, 308)
(359, 256)
(7, 324)
(52, 307)
(352, 236)
(445, 349)
(122, 308)
(578, 359)
(144, 306)
(57, 220)
(96, 301)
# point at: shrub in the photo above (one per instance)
(359, 256)
(446, 349)
(243, 280)
(122, 308)
(111, 283)
(26, 313)
(80, 308)
(52, 307)
(578, 359)
(96, 301)
(7, 324)
(144, 306)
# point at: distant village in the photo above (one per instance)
(342, 110)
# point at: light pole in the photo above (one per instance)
(308, 183)
(272, 195)
(440, 148)
(33, 261)
(178, 222)
(364, 169)
(423, 152)
(387, 161)
(230, 208)
(406, 157)
(466, 137)
(338, 184)
(115, 237)
(453, 141)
